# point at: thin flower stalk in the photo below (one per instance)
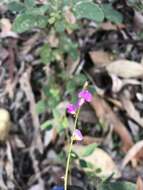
(84, 96)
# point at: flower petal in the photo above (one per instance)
(86, 95)
(71, 108)
(77, 135)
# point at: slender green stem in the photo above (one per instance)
(69, 153)
(71, 144)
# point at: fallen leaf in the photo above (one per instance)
(9, 167)
(110, 26)
(131, 154)
(5, 124)
(53, 40)
(6, 29)
(28, 45)
(101, 58)
(5, 25)
(106, 115)
(36, 187)
(69, 16)
(138, 21)
(100, 159)
(131, 110)
(89, 140)
(26, 87)
(125, 69)
(118, 84)
(139, 183)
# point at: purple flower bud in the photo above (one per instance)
(71, 108)
(77, 135)
(86, 95)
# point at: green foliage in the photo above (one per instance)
(16, 7)
(89, 150)
(117, 186)
(85, 164)
(74, 155)
(111, 14)
(46, 54)
(66, 45)
(47, 125)
(89, 10)
(41, 106)
(53, 95)
(26, 22)
(29, 3)
(136, 4)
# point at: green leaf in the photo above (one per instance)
(16, 7)
(85, 164)
(89, 150)
(29, 3)
(111, 14)
(117, 186)
(38, 10)
(74, 155)
(70, 47)
(47, 125)
(46, 54)
(41, 106)
(26, 22)
(88, 10)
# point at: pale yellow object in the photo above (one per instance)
(100, 159)
(5, 124)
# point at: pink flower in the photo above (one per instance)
(71, 108)
(85, 96)
(77, 135)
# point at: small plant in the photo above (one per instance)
(74, 109)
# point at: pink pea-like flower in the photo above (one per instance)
(85, 95)
(77, 135)
(71, 108)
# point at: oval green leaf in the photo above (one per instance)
(89, 10)
(27, 22)
(111, 14)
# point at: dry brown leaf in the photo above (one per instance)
(125, 69)
(9, 167)
(131, 110)
(26, 87)
(100, 159)
(139, 183)
(138, 21)
(110, 26)
(5, 124)
(53, 40)
(69, 16)
(131, 154)
(6, 29)
(117, 83)
(105, 114)
(101, 58)
(89, 140)
(28, 45)
(71, 65)
(5, 25)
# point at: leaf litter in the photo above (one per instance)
(27, 166)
